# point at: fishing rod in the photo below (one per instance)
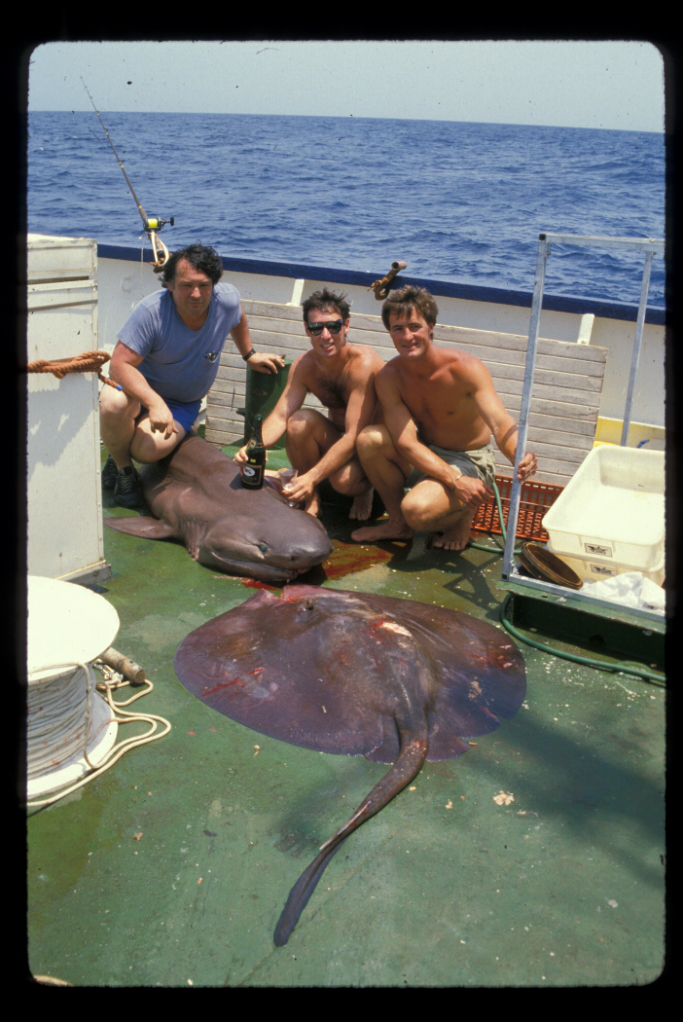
(150, 224)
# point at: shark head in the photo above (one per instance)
(267, 554)
(196, 497)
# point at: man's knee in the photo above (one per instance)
(415, 510)
(372, 440)
(147, 452)
(426, 503)
(148, 447)
(350, 479)
(302, 423)
(116, 406)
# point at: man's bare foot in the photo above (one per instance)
(385, 530)
(361, 509)
(456, 538)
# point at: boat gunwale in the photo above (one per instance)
(599, 307)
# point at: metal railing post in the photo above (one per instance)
(527, 389)
(651, 247)
(637, 344)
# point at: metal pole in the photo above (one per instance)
(637, 344)
(651, 246)
(655, 245)
(534, 326)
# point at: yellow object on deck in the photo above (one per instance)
(641, 434)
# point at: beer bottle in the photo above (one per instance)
(253, 471)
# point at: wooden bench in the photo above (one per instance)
(567, 384)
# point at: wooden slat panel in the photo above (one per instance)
(281, 312)
(222, 437)
(512, 363)
(562, 387)
(466, 336)
(268, 340)
(453, 334)
(545, 389)
(485, 344)
(565, 403)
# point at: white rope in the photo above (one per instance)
(59, 710)
(158, 260)
(59, 714)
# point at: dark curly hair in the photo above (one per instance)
(325, 299)
(407, 299)
(201, 257)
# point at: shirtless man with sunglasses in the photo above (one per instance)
(342, 376)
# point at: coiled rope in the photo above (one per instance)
(160, 258)
(58, 719)
(88, 362)
(59, 715)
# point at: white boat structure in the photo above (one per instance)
(81, 292)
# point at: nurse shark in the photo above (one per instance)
(197, 497)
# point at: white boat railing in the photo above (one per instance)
(651, 247)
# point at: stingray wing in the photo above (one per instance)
(334, 671)
(479, 672)
(272, 666)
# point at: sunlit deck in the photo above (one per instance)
(171, 869)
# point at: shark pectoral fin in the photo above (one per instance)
(193, 537)
(147, 528)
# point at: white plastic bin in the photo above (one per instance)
(596, 569)
(612, 510)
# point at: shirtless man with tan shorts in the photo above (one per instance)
(342, 376)
(440, 408)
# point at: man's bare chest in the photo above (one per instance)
(330, 391)
(437, 399)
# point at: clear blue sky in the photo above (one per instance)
(616, 85)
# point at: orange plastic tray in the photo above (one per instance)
(534, 502)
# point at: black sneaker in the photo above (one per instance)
(127, 492)
(109, 473)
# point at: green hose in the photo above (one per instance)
(495, 549)
(636, 669)
(641, 672)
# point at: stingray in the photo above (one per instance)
(393, 680)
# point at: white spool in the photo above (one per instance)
(70, 726)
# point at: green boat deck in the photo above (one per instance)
(172, 867)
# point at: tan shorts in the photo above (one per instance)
(478, 463)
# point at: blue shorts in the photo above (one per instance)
(184, 413)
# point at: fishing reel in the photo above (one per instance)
(155, 224)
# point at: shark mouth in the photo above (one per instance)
(253, 569)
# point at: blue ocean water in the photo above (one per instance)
(457, 201)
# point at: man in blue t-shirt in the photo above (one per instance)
(165, 362)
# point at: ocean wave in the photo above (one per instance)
(462, 201)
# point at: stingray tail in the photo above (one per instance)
(300, 894)
(408, 764)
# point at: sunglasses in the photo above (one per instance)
(333, 325)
